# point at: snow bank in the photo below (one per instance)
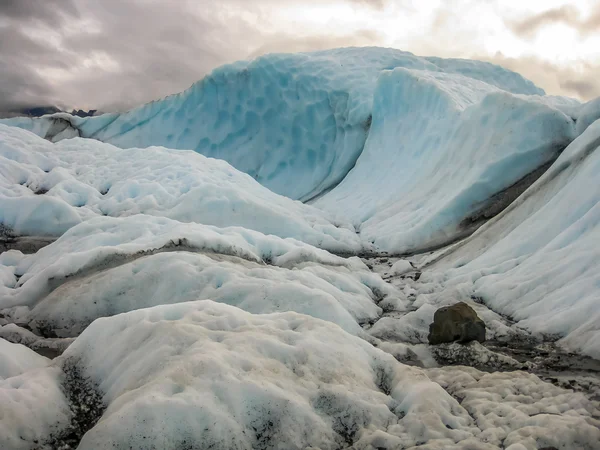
(441, 147)
(294, 122)
(539, 260)
(103, 242)
(106, 266)
(211, 375)
(46, 189)
(208, 375)
(336, 294)
(16, 359)
(32, 404)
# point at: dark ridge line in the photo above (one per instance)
(106, 125)
(118, 259)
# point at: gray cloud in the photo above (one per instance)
(115, 54)
(49, 11)
(567, 14)
(119, 53)
(581, 82)
(586, 89)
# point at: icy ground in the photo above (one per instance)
(162, 298)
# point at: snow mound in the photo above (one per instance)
(105, 242)
(106, 266)
(16, 359)
(442, 152)
(295, 122)
(45, 189)
(342, 296)
(211, 375)
(538, 261)
(32, 404)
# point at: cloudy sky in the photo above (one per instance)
(115, 54)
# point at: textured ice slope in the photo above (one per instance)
(47, 188)
(424, 148)
(295, 122)
(440, 147)
(206, 375)
(539, 261)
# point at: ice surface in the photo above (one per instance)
(110, 265)
(206, 310)
(32, 404)
(517, 408)
(234, 380)
(16, 359)
(103, 242)
(295, 122)
(239, 380)
(440, 146)
(204, 374)
(538, 260)
(445, 137)
(46, 189)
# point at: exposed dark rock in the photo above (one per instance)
(458, 322)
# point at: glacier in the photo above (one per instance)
(294, 122)
(303, 125)
(255, 262)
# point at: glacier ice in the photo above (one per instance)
(317, 126)
(440, 146)
(295, 122)
(538, 260)
(32, 403)
(199, 303)
(111, 265)
(240, 380)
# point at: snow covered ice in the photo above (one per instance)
(255, 262)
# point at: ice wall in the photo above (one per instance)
(539, 261)
(295, 122)
(440, 147)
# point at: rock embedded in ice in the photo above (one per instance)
(458, 322)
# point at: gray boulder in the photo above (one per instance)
(458, 322)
